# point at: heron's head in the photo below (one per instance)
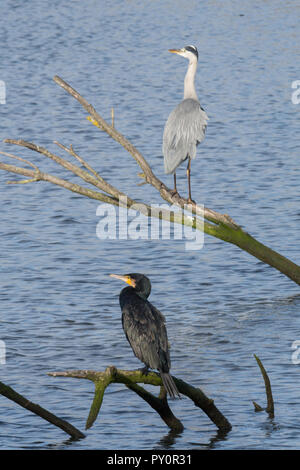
(139, 282)
(189, 52)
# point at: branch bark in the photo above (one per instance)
(221, 226)
(11, 394)
(160, 404)
(270, 403)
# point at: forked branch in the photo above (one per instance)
(211, 222)
(160, 404)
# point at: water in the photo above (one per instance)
(59, 308)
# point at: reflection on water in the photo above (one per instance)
(59, 309)
(168, 441)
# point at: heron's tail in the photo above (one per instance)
(169, 385)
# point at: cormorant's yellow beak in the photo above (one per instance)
(126, 279)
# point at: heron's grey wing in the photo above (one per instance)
(146, 333)
(184, 129)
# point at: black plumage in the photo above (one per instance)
(144, 327)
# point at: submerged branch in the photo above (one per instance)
(270, 403)
(160, 404)
(11, 394)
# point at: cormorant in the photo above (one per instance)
(144, 327)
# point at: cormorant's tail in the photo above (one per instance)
(169, 385)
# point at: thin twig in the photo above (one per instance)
(119, 199)
(37, 171)
(87, 177)
(112, 117)
(72, 152)
(76, 188)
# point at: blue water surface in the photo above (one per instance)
(59, 308)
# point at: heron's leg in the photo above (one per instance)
(175, 187)
(188, 172)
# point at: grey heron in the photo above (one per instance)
(145, 329)
(186, 124)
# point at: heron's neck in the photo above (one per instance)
(189, 82)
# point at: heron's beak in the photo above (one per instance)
(176, 51)
(126, 279)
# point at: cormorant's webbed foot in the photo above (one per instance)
(144, 370)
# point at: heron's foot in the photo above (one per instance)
(191, 201)
(144, 370)
(174, 192)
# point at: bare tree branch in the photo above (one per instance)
(270, 403)
(118, 198)
(211, 222)
(160, 404)
(149, 176)
(11, 394)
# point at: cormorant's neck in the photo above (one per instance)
(189, 81)
(143, 294)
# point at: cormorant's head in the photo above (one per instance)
(139, 282)
(189, 52)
